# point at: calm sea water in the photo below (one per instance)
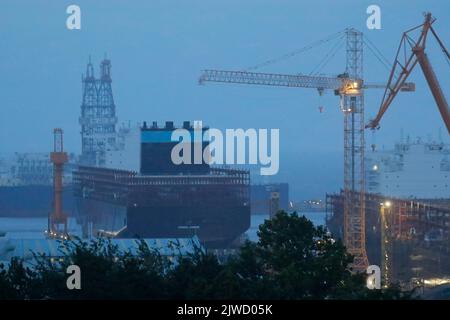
(33, 228)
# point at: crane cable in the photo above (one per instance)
(379, 55)
(441, 44)
(377, 52)
(333, 51)
(338, 35)
(295, 52)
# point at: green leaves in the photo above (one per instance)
(293, 259)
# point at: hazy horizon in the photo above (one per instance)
(158, 49)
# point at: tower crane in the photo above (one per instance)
(350, 87)
(406, 60)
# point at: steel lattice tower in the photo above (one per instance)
(350, 87)
(98, 115)
(354, 181)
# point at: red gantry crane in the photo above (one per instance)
(57, 221)
(350, 87)
(409, 53)
(405, 60)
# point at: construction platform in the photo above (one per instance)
(408, 238)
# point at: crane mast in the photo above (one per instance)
(354, 146)
(407, 63)
(349, 86)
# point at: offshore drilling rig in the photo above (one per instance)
(98, 115)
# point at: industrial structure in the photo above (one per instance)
(268, 198)
(160, 199)
(409, 53)
(57, 221)
(30, 176)
(413, 168)
(127, 184)
(408, 238)
(98, 115)
(274, 203)
(350, 87)
(435, 227)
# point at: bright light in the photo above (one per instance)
(387, 204)
(355, 85)
(375, 168)
(436, 281)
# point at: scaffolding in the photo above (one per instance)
(406, 238)
(354, 184)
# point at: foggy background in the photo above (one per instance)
(158, 49)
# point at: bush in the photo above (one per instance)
(293, 259)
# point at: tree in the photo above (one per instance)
(293, 259)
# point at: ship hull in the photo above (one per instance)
(213, 207)
(216, 227)
(31, 201)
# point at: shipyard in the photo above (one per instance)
(232, 170)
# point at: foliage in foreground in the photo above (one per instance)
(293, 259)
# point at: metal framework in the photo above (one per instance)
(397, 232)
(342, 84)
(349, 86)
(409, 53)
(215, 206)
(387, 249)
(354, 144)
(98, 115)
(57, 218)
(125, 187)
(273, 79)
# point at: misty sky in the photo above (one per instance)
(158, 49)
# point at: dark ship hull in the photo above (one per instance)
(213, 206)
(31, 200)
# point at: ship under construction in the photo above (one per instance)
(409, 239)
(126, 184)
(161, 199)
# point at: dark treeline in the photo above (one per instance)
(293, 259)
